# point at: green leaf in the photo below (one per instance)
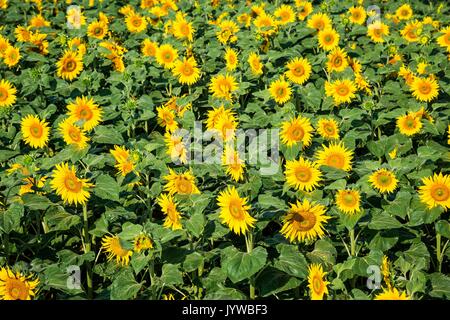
(107, 188)
(240, 265)
(139, 261)
(125, 286)
(36, 201)
(443, 228)
(130, 231)
(225, 294)
(196, 224)
(7, 154)
(59, 220)
(107, 135)
(291, 261)
(272, 281)
(10, 219)
(171, 274)
(383, 221)
(441, 286)
(193, 261)
(324, 252)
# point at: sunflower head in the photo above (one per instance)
(336, 155)
(280, 90)
(117, 250)
(348, 201)
(392, 294)
(383, 180)
(85, 112)
(7, 94)
(180, 183)
(234, 211)
(135, 22)
(328, 39)
(16, 286)
(70, 65)
(297, 130)
(316, 282)
(186, 70)
(435, 191)
(328, 128)
(223, 86)
(302, 174)
(299, 70)
(169, 208)
(34, 131)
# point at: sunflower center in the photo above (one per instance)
(236, 209)
(425, 88)
(410, 123)
(281, 92)
(377, 32)
(184, 186)
(98, 31)
(36, 131)
(329, 129)
(335, 160)
(317, 284)
(72, 184)
(298, 71)
(356, 15)
(74, 134)
(17, 289)
(404, 13)
(303, 174)
(440, 192)
(136, 22)
(349, 199)
(188, 70)
(342, 90)
(320, 25)
(447, 39)
(328, 39)
(297, 133)
(85, 113)
(337, 61)
(304, 220)
(70, 65)
(185, 30)
(168, 56)
(384, 179)
(3, 94)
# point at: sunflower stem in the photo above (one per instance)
(352, 242)
(249, 244)
(439, 254)
(87, 248)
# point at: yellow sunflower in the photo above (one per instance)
(342, 91)
(223, 86)
(70, 65)
(11, 56)
(166, 118)
(392, 294)
(336, 155)
(299, 70)
(16, 286)
(285, 14)
(85, 111)
(411, 32)
(234, 165)
(149, 48)
(435, 191)
(181, 28)
(255, 63)
(136, 23)
(319, 21)
(7, 94)
(337, 60)
(328, 39)
(377, 31)
(425, 89)
(186, 70)
(180, 183)
(31, 184)
(67, 185)
(357, 15)
(304, 9)
(227, 32)
(176, 149)
(34, 131)
(280, 90)
(348, 201)
(166, 55)
(404, 12)
(409, 124)
(231, 59)
(234, 211)
(265, 24)
(215, 114)
(97, 29)
(443, 40)
(142, 242)
(116, 249)
(297, 130)
(328, 128)
(4, 44)
(120, 154)
(304, 221)
(302, 174)
(383, 180)
(316, 282)
(72, 134)
(169, 208)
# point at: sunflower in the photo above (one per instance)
(34, 131)
(97, 29)
(316, 282)
(67, 185)
(166, 55)
(383, 180)
(234, 165)
(302, 174)
(319, 21)
(227, 32)
(304, 9)
(231, 59)
(357, 15)
(31, 184)
(411, 32)
(77, 44)
(425, 89)
(136, 23)
(180, 183)
(16, 286)
(299, 70)
(4, 44)
(149, 48)
(392, 294)
(169, 208)
(409, 124)
(226, 126)
(39, 42)
(22, 34)
(116, 249)
(285, 14)
(348, 201)
(254, 61)
(297, 130)
(280, 90)
(223, 86)
(176, 149)
(70, 65)
(265, 24)
(120, 154)
(404, 12)
(7, 94)
(72, 134)
(337, 60)
(181, 28)
(328, 39)
(142, 242)
(377, 30)
(328, 128)
(435, 191)
(215, 114)
(186, 71)
(304, 221)
(11, 56)
(234, 211)
(443, 40)
(166, 118)
(85, 112)
(336, 155)
(342, 91)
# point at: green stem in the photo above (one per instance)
(352, 243)
(87, 248)
(439, 253)
(249, 244)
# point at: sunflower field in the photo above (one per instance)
(105, 107)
